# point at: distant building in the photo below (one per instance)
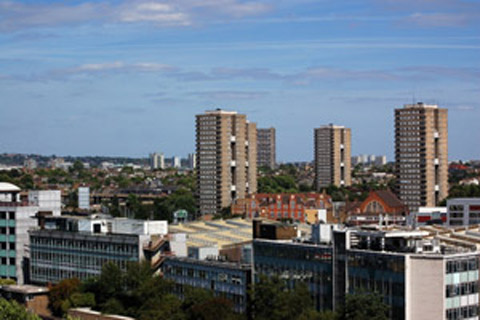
(30, 164)
(369, 160)
(332, 156)
(226, 159)
(421, 154)
(176, 162)
(463, 211)
(69, 246)
(157, 161)
(277, 206)
(84, 198)
(224, 279)
(266, 148)
(192, 160)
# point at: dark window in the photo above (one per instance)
(11, 215)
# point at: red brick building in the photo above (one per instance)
(380, 204)
(277, 206)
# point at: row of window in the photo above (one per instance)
(462, 313)
(7, 215)
(203, 274)
(462, 289)
(83, 244)
(462, 265)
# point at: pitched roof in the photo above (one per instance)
(389, 198)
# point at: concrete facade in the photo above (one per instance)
(226, 159)
(332, 153)
(266, 148)
(463, 211)
(421, 154)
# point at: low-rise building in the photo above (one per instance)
(429, 273)
(68, 247)
(33, 298)
(279, 206)
(224, 279)
(380, 207)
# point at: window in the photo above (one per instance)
(11, 215)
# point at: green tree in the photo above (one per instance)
(364, 306)
(273, 300)
(60, 294)
(11, 310)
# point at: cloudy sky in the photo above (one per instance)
(127, 77)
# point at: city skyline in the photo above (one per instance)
(127, 77)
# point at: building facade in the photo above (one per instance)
(70, 246)
(157, 161)
(278, 206)
(224, 279)
(266, 148)
(421, 154)
(380, 207)
(332, 156)
(463, 211)
(226, 159)
(427, 274)
(16, 218)
(298, 263)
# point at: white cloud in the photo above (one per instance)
(15, 16)
(437, 19)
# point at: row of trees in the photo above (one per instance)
(138, 293)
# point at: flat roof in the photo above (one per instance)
(25, 289)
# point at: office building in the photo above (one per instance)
(47, 201)
(266, 148)
(463, 211)
(421, 155)
(332, 156)
(224, 279)
(226, 159)
(16, 217)
(426, 274)
(71, 246)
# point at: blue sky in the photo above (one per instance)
(127, 77)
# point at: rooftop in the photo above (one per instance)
(420, 105)
(220, 111)
(25, 289)
(8, 187)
